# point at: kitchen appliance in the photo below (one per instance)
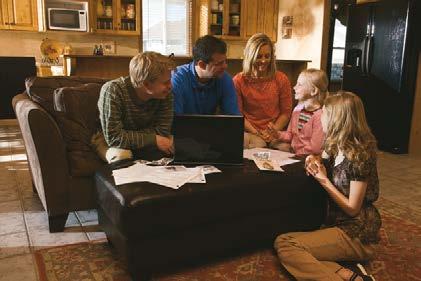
(67, 19)
(381, 59)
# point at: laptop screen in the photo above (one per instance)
(208, 139)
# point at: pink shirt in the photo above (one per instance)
(262, 100)
(309, 139)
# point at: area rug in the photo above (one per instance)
(398, 257)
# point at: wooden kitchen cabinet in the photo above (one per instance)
(238, 19)
(221, 18)
(18, 15)
(261, 16)
(120, 17)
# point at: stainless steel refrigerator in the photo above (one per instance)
(381, 59)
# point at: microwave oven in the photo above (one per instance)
(67, 19)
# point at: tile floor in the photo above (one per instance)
(23, 222)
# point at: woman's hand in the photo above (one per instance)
(272, 131)
(266, 135)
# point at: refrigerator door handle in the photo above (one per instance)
(369, 50)
(364, 56)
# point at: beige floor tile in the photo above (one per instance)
(93, 230)
(36, 219)
(11, 223)
(18, 268)
(19, 156)
(32, 204)
(10, 194)
(14, 244)
(4, 144)
(11, 218)
(40, 237)
(7, 180)
(27, 192)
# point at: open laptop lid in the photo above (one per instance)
(208, 139)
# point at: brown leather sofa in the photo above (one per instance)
(57, 117)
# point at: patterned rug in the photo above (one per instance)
(397, 258)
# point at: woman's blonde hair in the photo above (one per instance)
(148, 66)
(347, 128)
(252, 50)
(317, 79)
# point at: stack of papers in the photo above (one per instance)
(170, 176)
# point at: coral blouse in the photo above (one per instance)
(262, 100)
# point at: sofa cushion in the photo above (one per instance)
(41, 89)
(77, 115)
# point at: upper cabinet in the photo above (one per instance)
(238, 19)
(116, 16)
(262, 16)
(18, 15)
(222, 18)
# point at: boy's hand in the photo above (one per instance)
(165, 144)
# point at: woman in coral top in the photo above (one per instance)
(263, 93)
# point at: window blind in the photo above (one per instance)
(167, 26)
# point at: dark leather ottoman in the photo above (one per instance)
(240, 208)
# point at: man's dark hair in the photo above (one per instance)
(206, 46)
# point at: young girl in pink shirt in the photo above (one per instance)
(304, 134)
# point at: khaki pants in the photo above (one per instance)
(312, 255)
(109, 154)
(253, 141)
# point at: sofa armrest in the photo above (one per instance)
(46, 154)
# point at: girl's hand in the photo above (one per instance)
(315, 167)
(321, 175)
(310, 165)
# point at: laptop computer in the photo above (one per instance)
(208, 139)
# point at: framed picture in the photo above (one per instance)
(109, 47)
(287, 22)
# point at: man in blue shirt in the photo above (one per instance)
(203, 85)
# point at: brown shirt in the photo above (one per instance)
(366, 224)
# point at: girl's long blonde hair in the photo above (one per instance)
(347, 128)
(252, 50)
(317, 79)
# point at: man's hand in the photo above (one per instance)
(165, 144)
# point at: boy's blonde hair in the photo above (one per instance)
(317, 79)
(252, 50)
(347, 128)
(148, 66)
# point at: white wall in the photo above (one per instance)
(307, 34)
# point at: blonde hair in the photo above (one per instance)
(317, 79)
(148, 66)
(347, 128)
(252, 50)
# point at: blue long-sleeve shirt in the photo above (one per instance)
(193, 97)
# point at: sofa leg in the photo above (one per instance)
(57, 223)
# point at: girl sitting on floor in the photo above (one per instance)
(348, 173)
